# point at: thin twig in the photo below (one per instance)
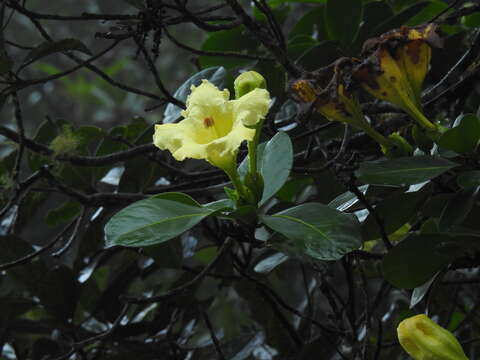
(381, 226)
(215, 53)
(72, 237)
(214, 338)
(21, 137)
(77, 346)
(156, 76)
(378, 349)
(27, 258)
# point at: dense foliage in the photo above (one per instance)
(353, 206)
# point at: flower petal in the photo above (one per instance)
(414, 60)
(222, 150)
(206, 100)
(252, 107)
(179, 139)
(211, 129)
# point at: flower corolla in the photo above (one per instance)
(214, 126)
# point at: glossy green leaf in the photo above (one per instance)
(52, 47)
(235, 40)
(393, 216)
(216, 75)
(154, 220)
(279, 10)
(420, 291)
(400, 5)
(343, 19)
(464, 137)
(5, 64)
(276, 163)
(275, 76)
(415, 260)
(311, 24)
(399, 19)
(458, 208)
(269, 263)
(403, 171)
(428, 13)
(138, 174)
(166, 255)
(321, 55)
(107, 146)
(178, 197)
(63, 213)
(373, 14)
(46, 132)
(220, 205)
(293, 188)
(456, 319)
(321, 232)
(206, 255)
(464, 244)
(434, 206)
(472, 20)
(13, 248)
(344, 201)
(469, 179)
(58, 292)
(299, 45)
(287, 112)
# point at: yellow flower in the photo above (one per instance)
(415, 53)
(396, 67)
(213, 126)
(382, 77)
(424, 339)
(327, 90)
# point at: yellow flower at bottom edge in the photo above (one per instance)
(213, 126)
(423, 339)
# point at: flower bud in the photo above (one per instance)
(248, 81)
(424, 339)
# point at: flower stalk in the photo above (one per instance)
(245, 83)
